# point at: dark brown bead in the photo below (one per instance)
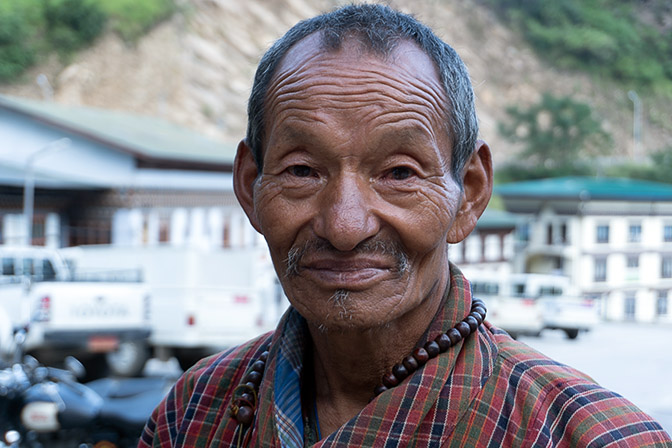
(264, 356)
(472, 322)
(464, 329)
(251, 385)
(421, 355)
(244, 415)
(477, 302)
(379, 390)
(454, 336)
(254, 377)
(432, 349)
(400, 371)
(443, 341)
(258, 366)
(478, 317)
(411, 364)
(389, 380)
(480, 310)
(247, 398)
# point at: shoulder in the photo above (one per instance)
(555, 403)
(197, 403)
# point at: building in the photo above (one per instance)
(491, 246)
(611, 237)
(104, 177)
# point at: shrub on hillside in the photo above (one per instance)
(19, 36)
(604, 37)
(72, 24)
(132, 18)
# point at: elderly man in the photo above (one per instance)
(360, 167)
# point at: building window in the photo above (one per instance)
(600, 270)
(661, 303)
(667, 233)
(630, 306)
(635, 233)
(603, 233)
(666, 267)
(633, 261)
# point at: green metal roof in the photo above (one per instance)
(497, 219)
(587, 188)
(147, 137)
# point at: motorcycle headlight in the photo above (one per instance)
(12, 437)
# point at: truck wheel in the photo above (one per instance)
(187, 358)
(95, 366)
(128, 359)
(572, 333)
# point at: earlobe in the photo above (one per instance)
(244, 175)
(477, 180)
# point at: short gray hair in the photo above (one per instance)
(380, 28)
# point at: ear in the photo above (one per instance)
(477, 183)
(245, 174)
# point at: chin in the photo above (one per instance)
(347, 311)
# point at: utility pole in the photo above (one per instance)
(29, 185)
(636, 124)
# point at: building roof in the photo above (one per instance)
(149, 139)
(497, 219)
(587, 188)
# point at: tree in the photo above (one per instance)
(558, 135)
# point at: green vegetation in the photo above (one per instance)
(604, 37)
(657, 168)
(558, 135)
(132, 18)
(31, 29)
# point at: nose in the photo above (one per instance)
(345, 216)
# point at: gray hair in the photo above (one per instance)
(380, 29)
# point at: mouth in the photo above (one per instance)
(347, 274)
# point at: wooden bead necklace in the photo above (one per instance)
(245, 396)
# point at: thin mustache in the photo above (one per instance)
(319, 245)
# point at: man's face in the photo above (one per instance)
(356, 198)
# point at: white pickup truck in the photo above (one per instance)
(102, 317)
(202, 300)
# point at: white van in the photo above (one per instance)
(561, 309)
(515, 314)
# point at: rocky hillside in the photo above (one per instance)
(196, 69)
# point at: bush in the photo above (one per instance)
(19, 37)
(604, 37)
(72, 24)
(132, 18)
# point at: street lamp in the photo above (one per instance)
(29, 184)
(636, 123)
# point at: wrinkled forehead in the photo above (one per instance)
(406, 68)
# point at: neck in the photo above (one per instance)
(349, 363)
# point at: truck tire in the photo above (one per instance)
(187, 358)
(128, 359)
(572, 333)
(95, 366)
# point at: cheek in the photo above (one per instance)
(279, 218)
(428, 217)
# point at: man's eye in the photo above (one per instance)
(300, 170)
(401, 173)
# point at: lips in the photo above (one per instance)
(351, 274)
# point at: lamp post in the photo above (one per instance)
(636, 123)
(29, 184)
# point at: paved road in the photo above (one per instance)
(634, 360)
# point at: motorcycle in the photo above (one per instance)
(47, 407)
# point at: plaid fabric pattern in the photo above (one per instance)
(488, 391)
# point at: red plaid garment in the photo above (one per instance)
(489, 391)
